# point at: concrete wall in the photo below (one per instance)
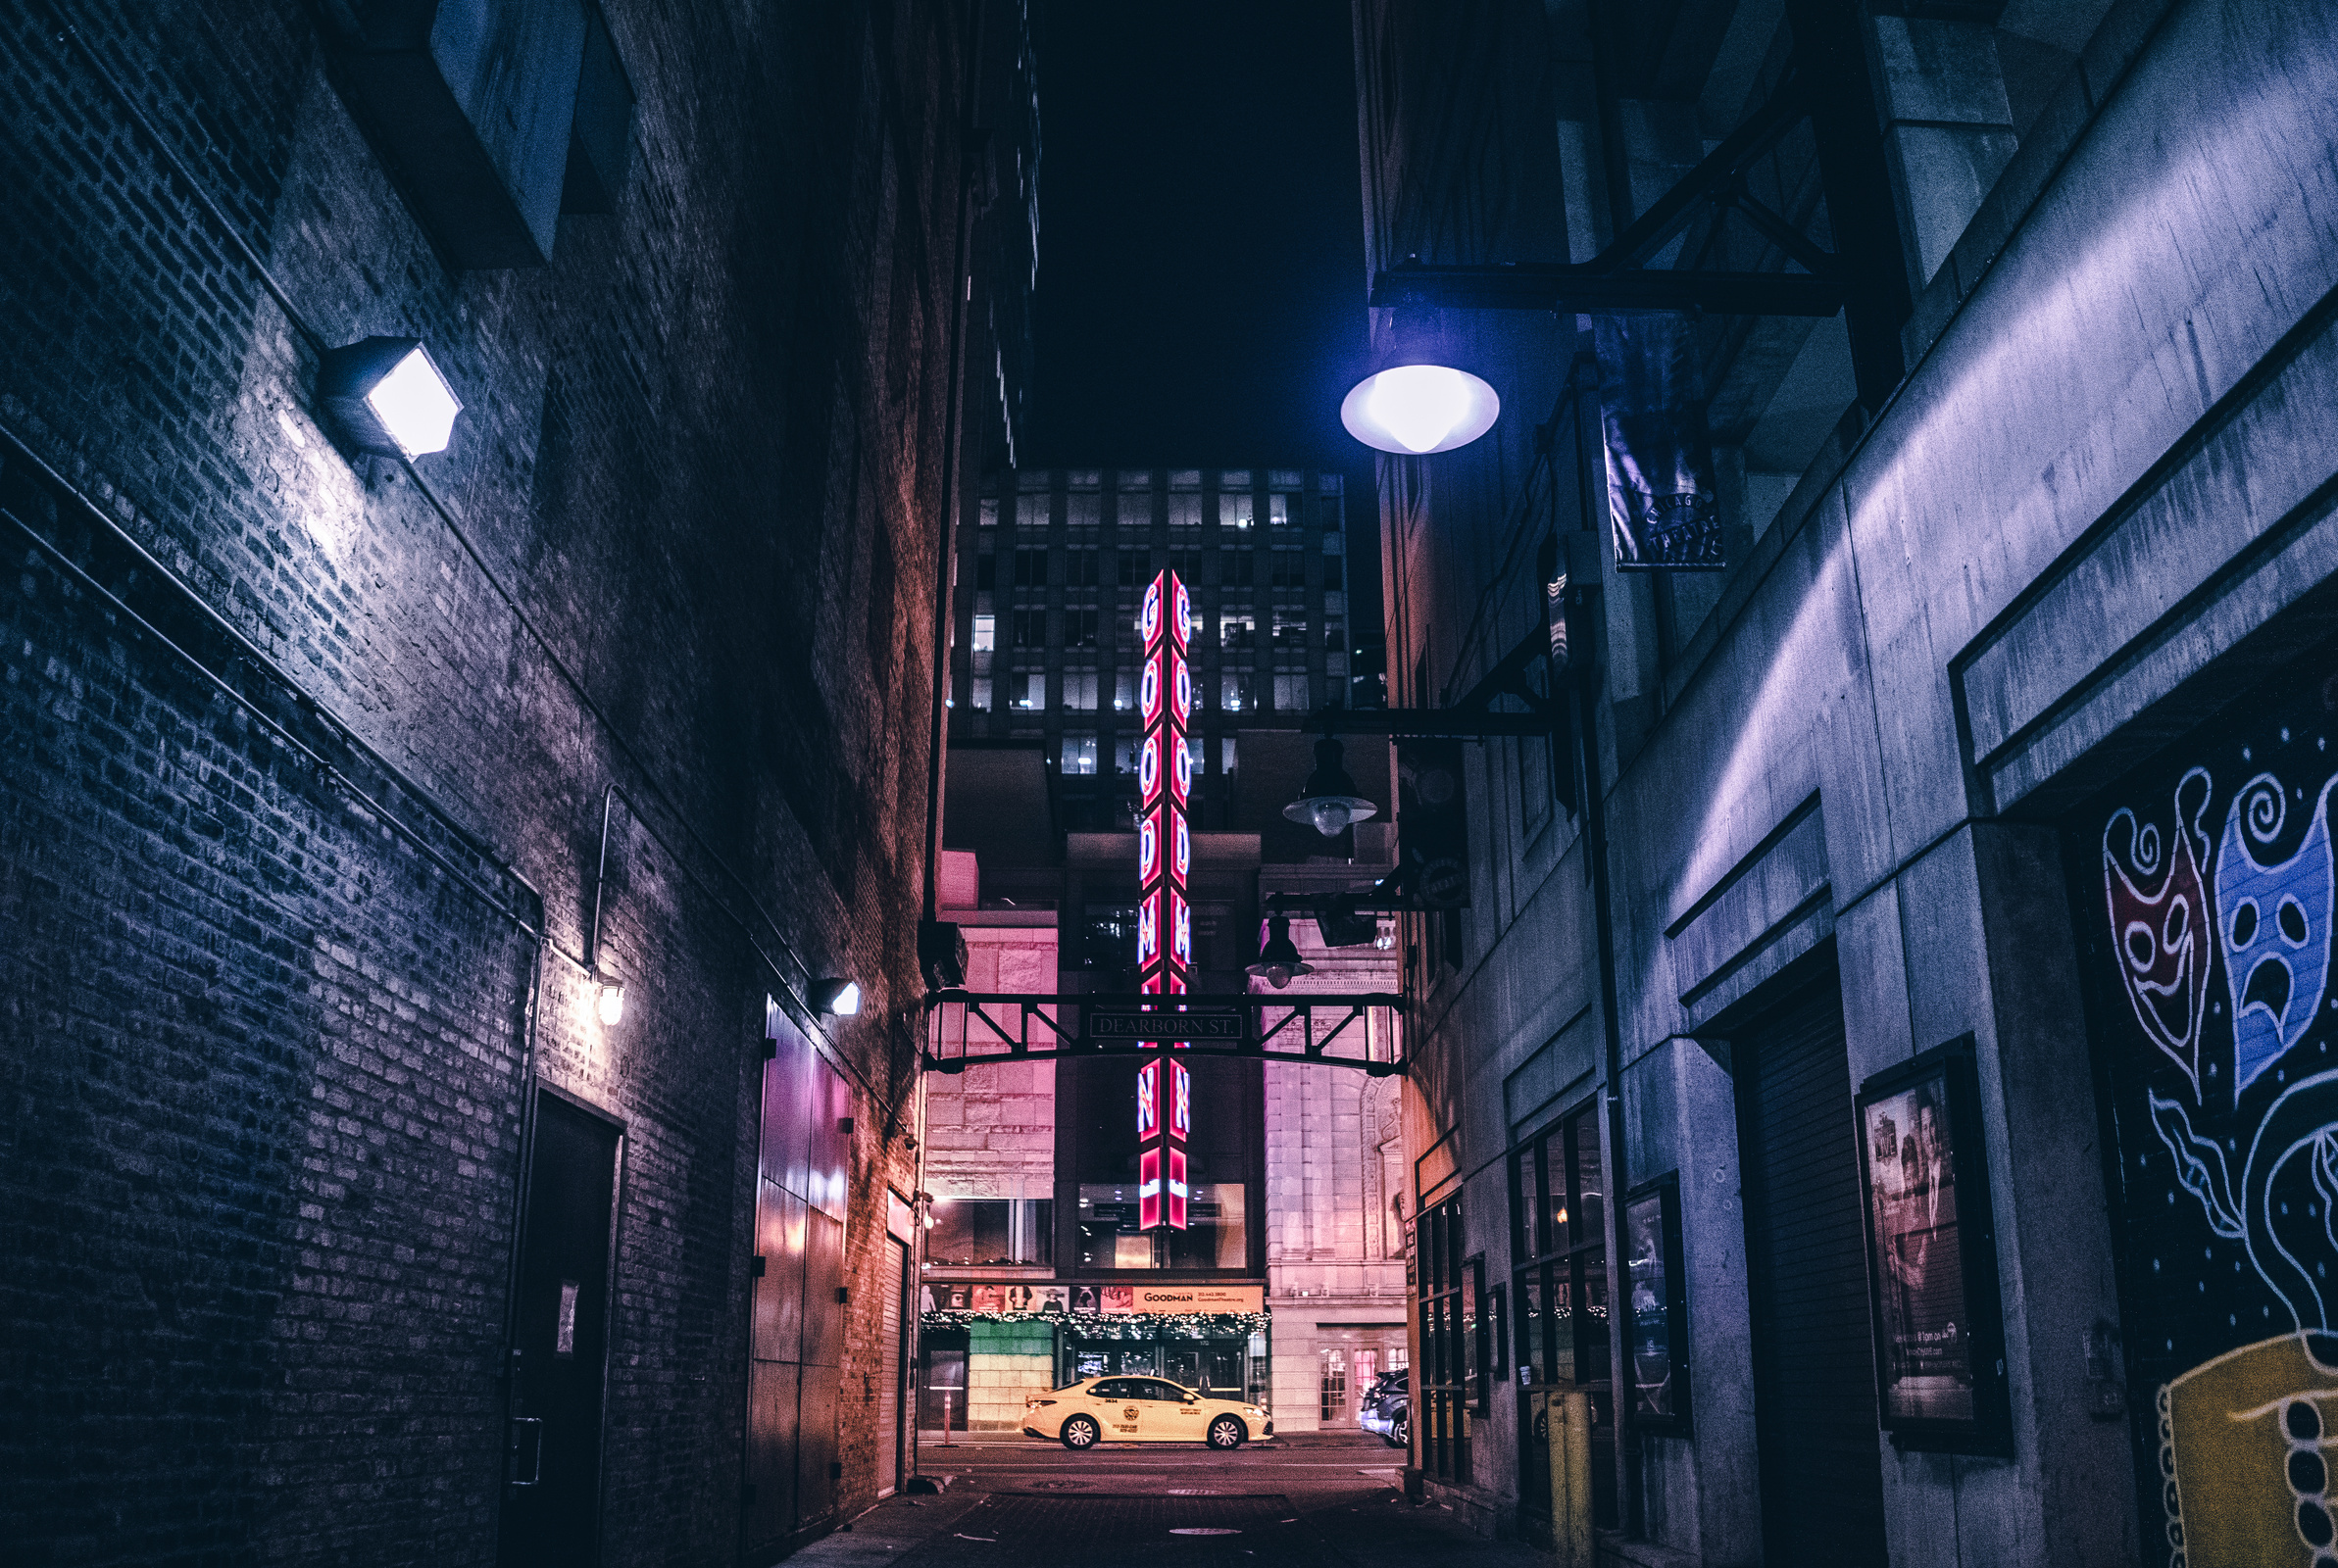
(2090, 514)
(991, 1132)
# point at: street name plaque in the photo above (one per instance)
(1221, 1027)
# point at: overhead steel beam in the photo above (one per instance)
(996, 1028)
(1581, 289)
(1617, 280)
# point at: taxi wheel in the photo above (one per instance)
(1225, 1433)
(1080, 1431)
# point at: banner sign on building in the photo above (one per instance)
(1662, 503)
(1164, 915)
(1039, 1297)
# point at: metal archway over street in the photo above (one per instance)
(973, 1029)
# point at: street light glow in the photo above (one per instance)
(415, 405)
(1417, 409)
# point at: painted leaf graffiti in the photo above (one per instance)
(2199, 1168)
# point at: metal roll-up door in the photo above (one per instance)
(888, 1385)
(1814, 1360)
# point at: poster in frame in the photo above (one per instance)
(1932, 1285)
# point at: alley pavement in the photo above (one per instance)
(1332, 1500)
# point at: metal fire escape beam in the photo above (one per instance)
(1717, 171)
(1578, 290)
(1614, 279)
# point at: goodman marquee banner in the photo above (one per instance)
(1039, 1296)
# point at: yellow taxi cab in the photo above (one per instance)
(1141, 1410)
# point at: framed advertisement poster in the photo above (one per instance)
(1939, 1326)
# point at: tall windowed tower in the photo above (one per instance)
(1050, 582)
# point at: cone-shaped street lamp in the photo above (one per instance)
(1278, 957)
(1416, 401)
(1328, 800)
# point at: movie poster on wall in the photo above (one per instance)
(1931, 1257)
(2202, 886)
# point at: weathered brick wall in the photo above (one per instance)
(263, 1057)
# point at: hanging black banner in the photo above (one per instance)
(1661, 504)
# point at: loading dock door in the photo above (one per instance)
(1814, 1360)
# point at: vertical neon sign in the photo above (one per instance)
(1164, 915)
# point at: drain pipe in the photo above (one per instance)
(1603, 920)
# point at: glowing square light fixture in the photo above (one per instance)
(387, 396)
(608, 1003)
(836, 997)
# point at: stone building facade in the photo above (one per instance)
(1335, 1269)
(338, 790)
(1918, 861)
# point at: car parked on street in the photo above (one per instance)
(1141, 1410)
(1387, 1409)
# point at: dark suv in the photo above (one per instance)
(1388, 1410)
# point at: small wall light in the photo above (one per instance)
(1278, 957)
(839, 997)
(610, 1004)
(387, 396)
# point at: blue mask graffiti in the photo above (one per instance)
(2273, 924)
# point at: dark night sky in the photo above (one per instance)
(1201, 242)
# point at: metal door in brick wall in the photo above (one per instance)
(2202, 889)
(796, 1324)
(551, 1511)
(896, 1282)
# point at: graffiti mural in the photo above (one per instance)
(2203, 887)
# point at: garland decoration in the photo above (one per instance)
(1116, 1325)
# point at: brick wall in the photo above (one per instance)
(264, 1045)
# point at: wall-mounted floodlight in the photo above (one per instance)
(387, 395)
(1417, 402)
(1328, 800)
(608, 1004)
(836, 997)
(1278, 957)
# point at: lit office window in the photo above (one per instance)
(986, 633)
(1237, 631)
(1290, 693)
(981, 698)
(1225, 754)
(990, 512)
(1279, 511)
(1124, 691)
(1079, 754)
(1233, 694)
(1235, 511)
(1079, 689)
(1025, 689)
